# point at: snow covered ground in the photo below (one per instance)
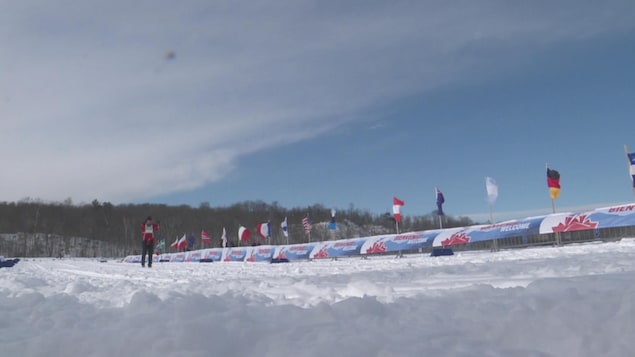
(576, 300)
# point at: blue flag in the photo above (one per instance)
(332, 225)
(190, 241)
(631, 159)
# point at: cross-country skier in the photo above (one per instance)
(147, 243)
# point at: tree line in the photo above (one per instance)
(31, 228)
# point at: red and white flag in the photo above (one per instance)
(263, 230)
(182, 244)
(176, 243)
(205, 237)
(396, 207)
(243, 234)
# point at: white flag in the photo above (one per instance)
(492, 190)
(224, 238)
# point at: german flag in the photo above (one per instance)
(553, 182)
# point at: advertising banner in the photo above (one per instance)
(193, 256)
(338, 248)
(215, 254)
(236, 254)
(262, 253)
(294, 251)
(399, 242)
(450, 236)
(177, 257)
(512, 228)
(615, 216)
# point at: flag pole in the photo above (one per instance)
(553, 210)
(440, 222)
(629, 167)
(397, 226)
(491, 221)
(553, 202)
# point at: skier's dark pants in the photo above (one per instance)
(147, 248)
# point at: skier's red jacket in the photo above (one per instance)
(148, 230)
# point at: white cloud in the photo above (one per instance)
(91, 108)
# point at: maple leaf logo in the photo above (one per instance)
(323, 253)
(281, 255)
(377, 247)
(575, 223)
(455, 239)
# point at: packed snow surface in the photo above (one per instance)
(576, 300)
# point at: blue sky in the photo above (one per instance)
(304, 102)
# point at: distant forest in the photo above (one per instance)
(30, 228)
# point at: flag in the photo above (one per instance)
(190, 241)
(160, 247)
(396, 207)
(631, 160)
(332, 224)
(182, 243)
(223, 238)
(243, 234)
(553, 182)
(175, 244)
(492, 190)
(307, 224)
(440, 201)
(205, 237)
(285, 228)
(264, 230)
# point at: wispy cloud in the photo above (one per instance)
(91, 108)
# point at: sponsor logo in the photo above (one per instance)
(575, 223)
(407, 237)
(628, 208)
(455, 239)
(507, 227)
(323, 253)
(377, 247)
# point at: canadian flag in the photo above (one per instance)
(182, 244)
(205, 237)
(243, 234)
(396, 206)
(263, 230)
